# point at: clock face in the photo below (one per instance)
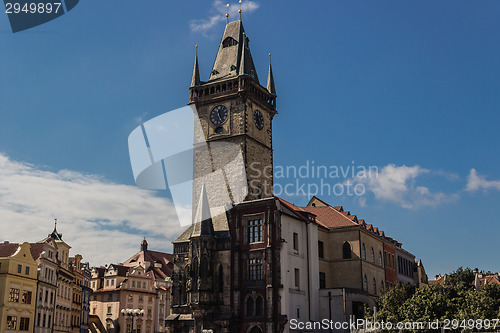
(218, 115)
(259, 120)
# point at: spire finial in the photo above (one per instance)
(195, 79)
(55, 224)
(196, 50)
(227, 13)
(270, 79)
(239, 11)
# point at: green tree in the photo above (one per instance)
(463, 278)
(455, 299)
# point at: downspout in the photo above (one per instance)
(308, 270)
(330, 309)
(361, 259)
(344, 301)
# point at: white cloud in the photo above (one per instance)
(101, 220)
(398, 184)
(476, 182)
(218, 14)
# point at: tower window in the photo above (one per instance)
(364, 252)
(259, 307)
(250, 306)
(255, 231)
(229, 41)
(321, 252)
(346, 250)
(295, 241)
(322, 280)
(255, 269)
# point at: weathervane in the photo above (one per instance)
(227, 13)
(239, 11)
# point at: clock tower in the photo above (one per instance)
(227, 264)
(235, 113)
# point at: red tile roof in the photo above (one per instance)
(36, 250)
(331, 217)
(337, 217)
(153, 257)
(299, 212)
(8, 249)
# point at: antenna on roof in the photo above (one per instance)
(227, 14)
(239, 11)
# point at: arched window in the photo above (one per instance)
(259, 307)
(346, 250)
(373, 256)
(195, 274)
(221, 279)
(204, 269)
(374, 286)
(364, 252)
(380, 257)
(250, 306)
(183, 291)
(256, 329)
(365, 283)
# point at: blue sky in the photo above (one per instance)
(410, 87)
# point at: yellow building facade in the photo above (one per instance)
(18, 286)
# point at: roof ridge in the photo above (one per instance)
(343, 215)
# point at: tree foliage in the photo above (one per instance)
(457, 298)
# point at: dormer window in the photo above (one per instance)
(229, 41)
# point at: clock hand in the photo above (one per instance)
(218, 114)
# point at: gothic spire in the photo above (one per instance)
(233, 57)
(195, 79)
(203, 226)
(270, 79)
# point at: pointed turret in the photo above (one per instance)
(233, 57)
(203, 226)
(195, 79)
(270, 79)
(55, 235)
(144, 245)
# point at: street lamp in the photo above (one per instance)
(132, 313)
